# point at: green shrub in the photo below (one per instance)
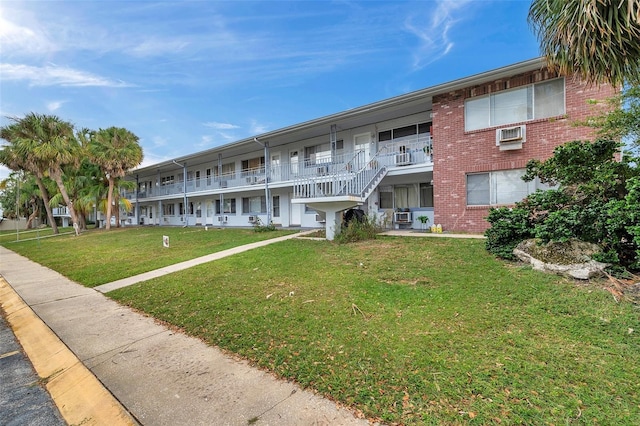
(508, 228)
(355, 230)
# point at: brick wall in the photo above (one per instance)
(457, 152)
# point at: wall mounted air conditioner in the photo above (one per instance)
(509, 138)
(223, 184)
(223, 219)
(320, 219)
(403, 159)
(402, 217)
(253, 219)
(251, 180)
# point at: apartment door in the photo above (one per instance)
(362, 149)
(295, 213)
(294, 165)
(276, 173)
(209, 212)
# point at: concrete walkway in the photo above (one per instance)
(105, 288)
(153, 374)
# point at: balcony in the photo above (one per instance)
(398, 153)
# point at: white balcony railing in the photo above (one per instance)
(410, 150)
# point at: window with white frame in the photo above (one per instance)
(166, 180)
(501, 187)
(228, 169)
(252, 166)
(228, 204)
(535, 101)
(426, 195)
(168, 210)
(257, 204)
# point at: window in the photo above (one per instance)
(168, 210)
(504, 187)
(276, 206)
(167, 180)
(256, 204)
(181, 209)
(317, 154)
(208, 174)
(540, 100)
(252, 165)
(404, 132)
(228, 169)
(229, 205)
(426, 195)
(197, 178)
(386, 200)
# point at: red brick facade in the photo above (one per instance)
(457, 153)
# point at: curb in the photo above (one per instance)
(78, 394)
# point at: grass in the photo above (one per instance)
(404, 330)
(97, 256)
(415, 332)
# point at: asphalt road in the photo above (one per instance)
(23, 401)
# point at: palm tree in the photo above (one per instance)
(116, 151)
(12, 157)
(48, 144)
(597, 40)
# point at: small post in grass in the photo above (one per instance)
(165, 241)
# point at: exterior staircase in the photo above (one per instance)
(354, 181)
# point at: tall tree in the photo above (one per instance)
(13, 157)
(116, 150)
(597, 40)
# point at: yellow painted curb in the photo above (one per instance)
(78, 394)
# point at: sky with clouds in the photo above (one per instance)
(186, 76)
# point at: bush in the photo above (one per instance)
(258, 226)
(358, 230)
(508, 228)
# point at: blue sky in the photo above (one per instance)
(186, 76)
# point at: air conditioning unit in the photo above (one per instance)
(511, 137)
(251, 180)
(320, 219)
(223, 219)
(323, 170)
(223, 184)
(253, 219)
(403, 159)
(402, 217)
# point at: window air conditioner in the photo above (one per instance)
(253, 219)
(402, 159)
(251, 180)
(402, 217)
(223, 219)
(320, 219)
(510, 137)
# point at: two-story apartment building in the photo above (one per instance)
(448, 152)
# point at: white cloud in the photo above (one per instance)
(19, 39)
(54, 105)
(220, 126)
(159, 141)
(434, 35)
(257, 128)
(52, 75)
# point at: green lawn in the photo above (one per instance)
(408, 330)
(98, 256)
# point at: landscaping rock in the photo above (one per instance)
(572, 258)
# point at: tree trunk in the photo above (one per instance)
(109, 201)
(47, 207)
(116, 198)
(57, 177)
(32, 216)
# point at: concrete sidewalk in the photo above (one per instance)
(160, 376)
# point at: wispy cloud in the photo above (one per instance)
(257, 128)
(220, 126)
(54, 105)
(20, 39)
(52, 75)
(433, 35)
